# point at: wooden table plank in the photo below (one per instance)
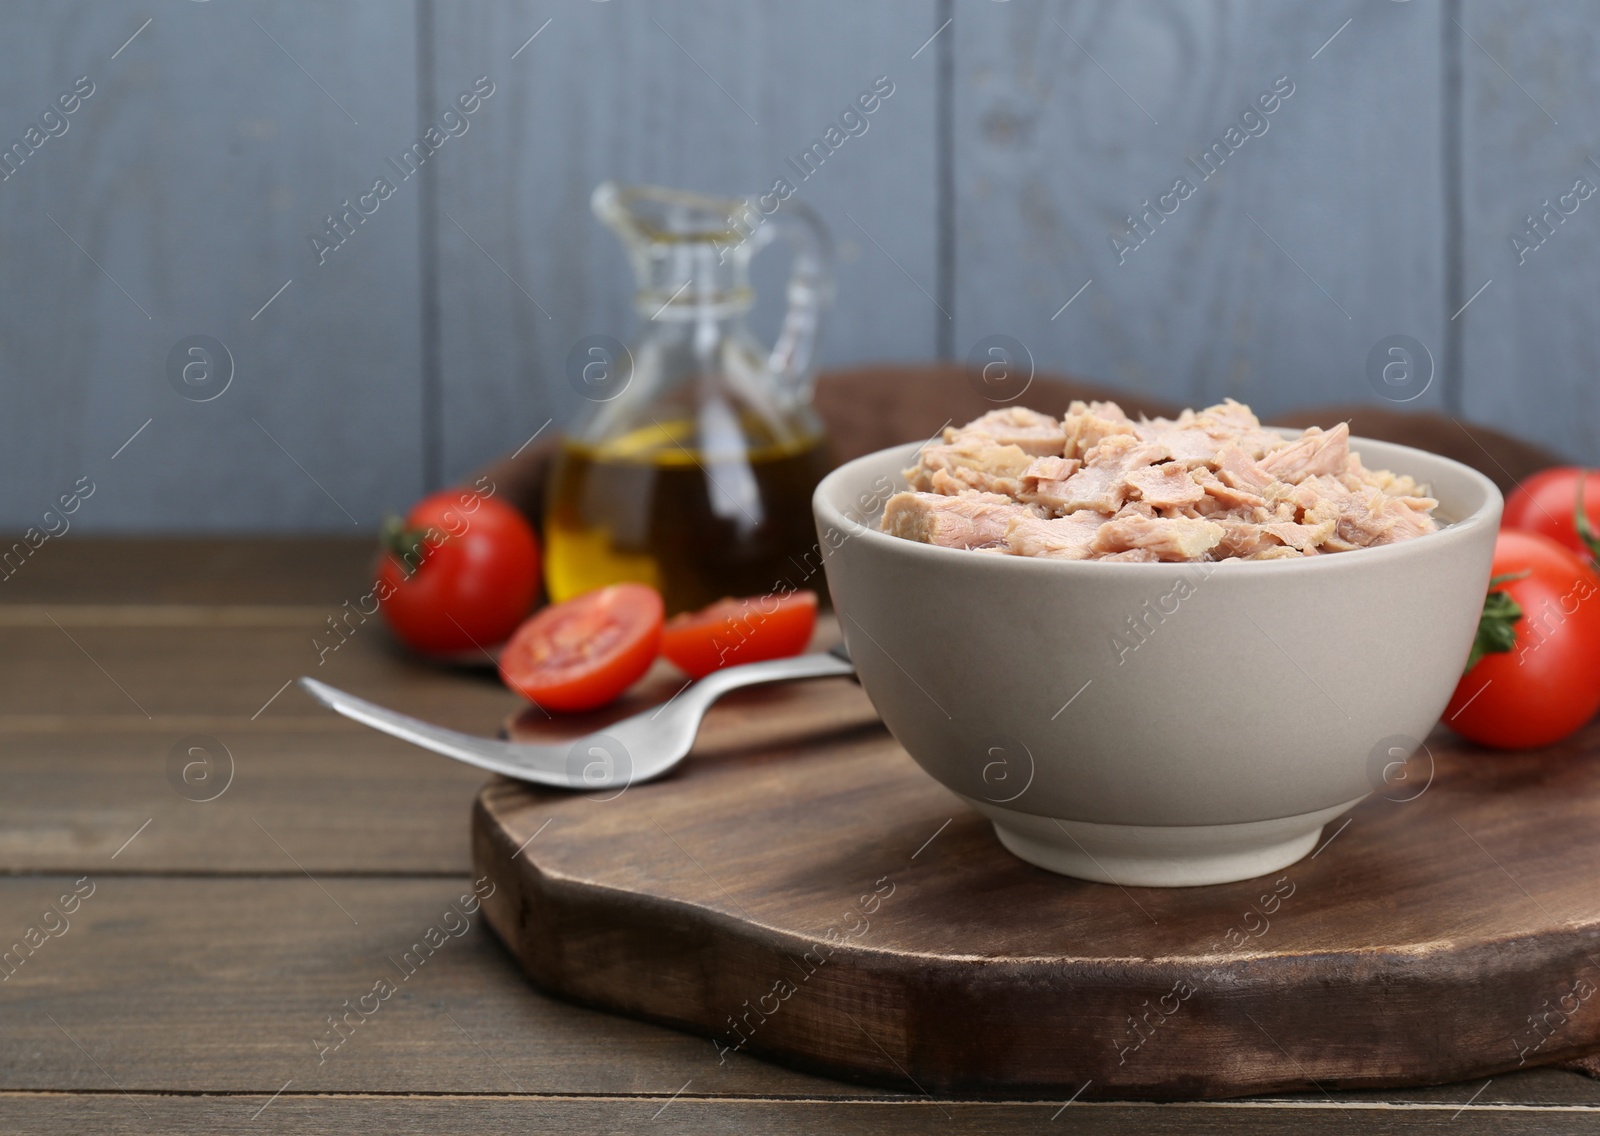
(205, 961)
(340, 797)
(226, 985)
(193, 570)
(343, 799)
(231, 671)
(690, 1115)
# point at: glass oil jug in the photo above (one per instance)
(694, 467)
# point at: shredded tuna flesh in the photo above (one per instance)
(1212, 484)
(966, 520)
(1028, 430)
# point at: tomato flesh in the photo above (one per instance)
(583, 653)
(472, 575)
(1548, 685)
(740, 631)
(1546, 503)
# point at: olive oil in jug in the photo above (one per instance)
(697, 526)
(694, 468)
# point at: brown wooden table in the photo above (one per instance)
(191, 989)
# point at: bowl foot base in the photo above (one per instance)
(1159, 856)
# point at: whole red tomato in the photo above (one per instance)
(460, 574)
(1547, 503)
(1548, 683)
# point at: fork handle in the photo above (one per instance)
(720, 682)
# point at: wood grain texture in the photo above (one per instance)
(178, 984)
(897, 942)
(191, 179)
(80, 569)
(84, 777)
(73, 799)
(1530, 350)
(170, 673)
(710, 95)
(226, 985)
(208, 154)
(695, 1115)
(1273, 281)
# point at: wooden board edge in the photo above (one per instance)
(572, 939)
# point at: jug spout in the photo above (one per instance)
(685, 248)
(691, 257)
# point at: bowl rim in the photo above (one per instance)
(1464, 529)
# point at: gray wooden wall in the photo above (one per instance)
(1381, 198)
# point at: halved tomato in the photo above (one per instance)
(583, 653)
(740, 631)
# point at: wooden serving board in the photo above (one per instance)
(801, 891)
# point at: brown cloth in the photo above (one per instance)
(1589, 1065)
(869, 408)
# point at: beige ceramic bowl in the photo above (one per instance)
(1159, 724)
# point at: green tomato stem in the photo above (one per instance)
(1580, 519)
(1497, 631)
(406, 545)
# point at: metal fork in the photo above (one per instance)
(639, 748)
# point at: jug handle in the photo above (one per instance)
(810, 290)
